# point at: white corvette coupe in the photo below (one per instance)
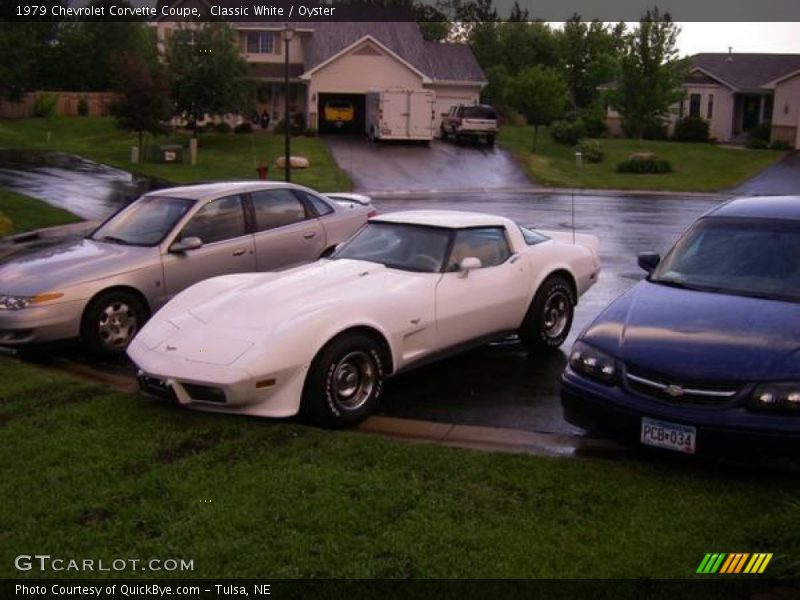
(319, 339)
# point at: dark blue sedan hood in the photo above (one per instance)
(701, 336)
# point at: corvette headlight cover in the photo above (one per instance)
(593, 363)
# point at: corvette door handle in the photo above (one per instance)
(309, 235)
(239, 252)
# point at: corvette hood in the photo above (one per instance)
(253, 303)
(701, 336)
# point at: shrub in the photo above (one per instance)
(83, 107)
(644, 165)
(45, 105)
(594, 122)
(760, 132)
(243, 128)
(591, 151)
(781, 145)
(654, 130)
(310, 132)
(691, 129)
(223, 127)
(755, 143)
(568, 133)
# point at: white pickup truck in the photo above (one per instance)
(476, 121)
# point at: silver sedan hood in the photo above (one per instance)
(41, 268)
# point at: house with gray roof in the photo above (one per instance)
(345, 60)
(737, 92)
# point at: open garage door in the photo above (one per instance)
(341, 113)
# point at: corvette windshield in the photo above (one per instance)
(399, 246)
(146, 222)
(753, 257)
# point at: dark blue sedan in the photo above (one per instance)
(704, 355)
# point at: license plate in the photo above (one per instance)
(671, 436)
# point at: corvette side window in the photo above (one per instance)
(488, 244)
(276, 208)
(218, 220)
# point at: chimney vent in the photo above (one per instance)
(730, 54)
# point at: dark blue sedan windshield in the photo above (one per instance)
(749, 257)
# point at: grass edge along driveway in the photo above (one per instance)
(220, 157)
(696, 167)
(92, 472)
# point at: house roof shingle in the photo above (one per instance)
(747, 71)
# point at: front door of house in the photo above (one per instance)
(751, 112)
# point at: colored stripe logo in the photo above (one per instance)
(734, 563)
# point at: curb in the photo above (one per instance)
(492, 439)
(486, 439)
(543, 191)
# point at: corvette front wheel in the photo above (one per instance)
(344, 382)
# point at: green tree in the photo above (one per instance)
(589, 54)
(24, 47)
(81, 55)
(144, 105)
(540, 94)
(209, 77)
(651, 74)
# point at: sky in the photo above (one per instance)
(744, 37)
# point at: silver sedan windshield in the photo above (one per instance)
(146, 222)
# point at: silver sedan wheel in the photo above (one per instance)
(354, 378)
(117, 325)
(556, 314)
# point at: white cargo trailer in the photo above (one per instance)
(400, 114)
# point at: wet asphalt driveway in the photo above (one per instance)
(415, 166)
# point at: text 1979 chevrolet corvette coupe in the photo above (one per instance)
(320, 339)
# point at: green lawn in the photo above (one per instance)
(22, 213)
(697, 167)
(90, 472)
(221, 157)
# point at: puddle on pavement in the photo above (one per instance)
(83, 187)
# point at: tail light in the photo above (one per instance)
(372, 213)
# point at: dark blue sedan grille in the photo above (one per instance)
(660, 388)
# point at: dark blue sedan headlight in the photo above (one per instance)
(776, 396)
(593, 363)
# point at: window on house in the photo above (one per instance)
(260, 42)
(710, 112)
(694, 105)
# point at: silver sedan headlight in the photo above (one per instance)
(8, 302)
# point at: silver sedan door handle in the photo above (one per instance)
(309, 235)
(239, 252)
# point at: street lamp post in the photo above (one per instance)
(288, 34)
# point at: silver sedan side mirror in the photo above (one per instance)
(190, 243)
(468, 264)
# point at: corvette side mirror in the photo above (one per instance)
(468, 264)
(649, 261)
(190, 243)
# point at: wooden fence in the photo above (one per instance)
(98, 103)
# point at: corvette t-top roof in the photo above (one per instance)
(454, 219)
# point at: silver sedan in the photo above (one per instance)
(102, 288)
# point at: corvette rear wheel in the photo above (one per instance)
(344, 382)
(549, 318)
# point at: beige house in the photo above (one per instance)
(736, 92)
(333, 61)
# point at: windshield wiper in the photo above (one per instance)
(676, 284)
(115, 240)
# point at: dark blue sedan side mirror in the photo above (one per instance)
(649, 261)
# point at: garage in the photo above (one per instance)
(341, 113)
